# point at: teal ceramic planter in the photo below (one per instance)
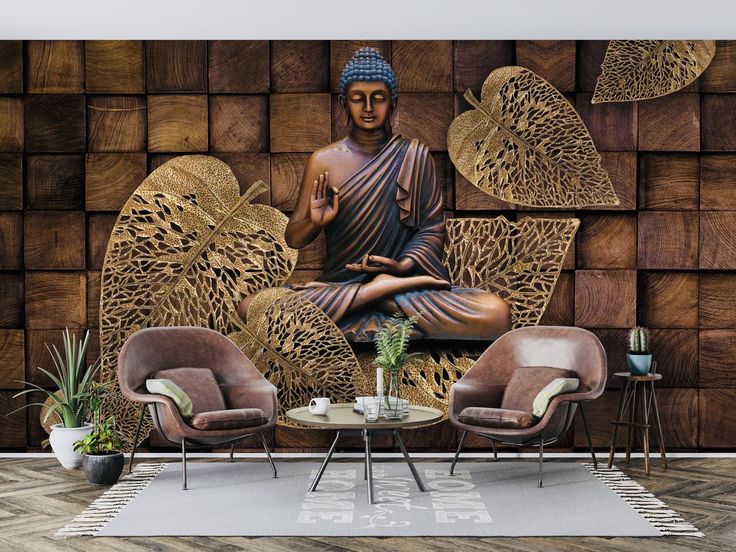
(639, 364)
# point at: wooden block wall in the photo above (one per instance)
(83, 122)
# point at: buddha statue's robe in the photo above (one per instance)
(393, 206)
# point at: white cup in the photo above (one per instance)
(319, 406)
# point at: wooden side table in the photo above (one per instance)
(641, 388)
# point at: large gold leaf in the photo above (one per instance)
(185, 248)
(298, 348)
(525, 143)
(645, 69)
(520, 261)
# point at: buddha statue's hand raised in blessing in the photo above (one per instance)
(322, 211)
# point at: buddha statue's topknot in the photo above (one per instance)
(368, 65)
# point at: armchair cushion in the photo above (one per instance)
(557, 386)
(200, 384)
(168, 388)
(236, 418)
(527, 382)
(495, 417)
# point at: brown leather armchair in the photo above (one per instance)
(231, 398)
(494, 398)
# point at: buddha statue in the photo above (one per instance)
(376, 196)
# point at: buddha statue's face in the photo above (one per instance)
(368, 104)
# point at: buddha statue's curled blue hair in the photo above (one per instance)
(368, 65)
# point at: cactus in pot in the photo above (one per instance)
(639, 359)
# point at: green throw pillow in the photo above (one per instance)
(169, 389)
(556, 387)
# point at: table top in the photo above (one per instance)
(341, 416)
(635, 377)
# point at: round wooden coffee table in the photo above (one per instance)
(342, 418)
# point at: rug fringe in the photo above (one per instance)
(106, 507)
(657, 513)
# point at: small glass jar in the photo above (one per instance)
(370, 409)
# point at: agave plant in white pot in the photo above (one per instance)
(71, 401)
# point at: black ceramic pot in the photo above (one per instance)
(103, 469)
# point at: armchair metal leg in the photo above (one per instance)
(495, 452)
(457, 453)
(232, 451)
(541, 460)
(135, 440)
(587, 433)
(268, 453)
(183, 466)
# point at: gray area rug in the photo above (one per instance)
(482, 499)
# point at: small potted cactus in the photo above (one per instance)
(639, 359)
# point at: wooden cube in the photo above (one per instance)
(116, 123)
(474, 60)
(11, 181)
(621, 169)
(616, 345)
(717, 351)
(717, 307)
(670, 123)
(471, 198)
(598, 414)
(55, 182)
(676, 353)
(11, 298)
(55, 67)
(55, 123)
(177, 123)
(718, 132)
(249, 168)
(12, 362)
(37, 355)
(422, 65)
(13, 434)
(668, 239)
(718, 182)
(553, 60)
(115, 67)
(176, 65)
(11, 66)
(717, 418)
(591, 54)
(605, 298)
(718, 240)
(613, 126)
(300, 122)
(678, 412)
(11, 241)
(11, 124)
(239, 66)
(668, 299)
(720, 76)
(55, 300)
(668, 182)
(342, 51)
(300, 66)
(54, 240)
(155, 160)
(99, 228)
(94, 289)
(607, 241)
(239, 124)
(287, 171)
(425, 116)
(111, 178)
(561, 307)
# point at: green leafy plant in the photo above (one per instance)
(104, 439)
(392, 344)
(72, 402)
(639, 340)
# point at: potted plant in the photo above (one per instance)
(639, 359)
(71, 401)
(102, 457)
(392, 342)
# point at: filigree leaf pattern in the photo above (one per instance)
(519, 261)
(298, 348)
(525, 143)
(645, 69)
(185, 248)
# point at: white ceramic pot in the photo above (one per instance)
(62, 441)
